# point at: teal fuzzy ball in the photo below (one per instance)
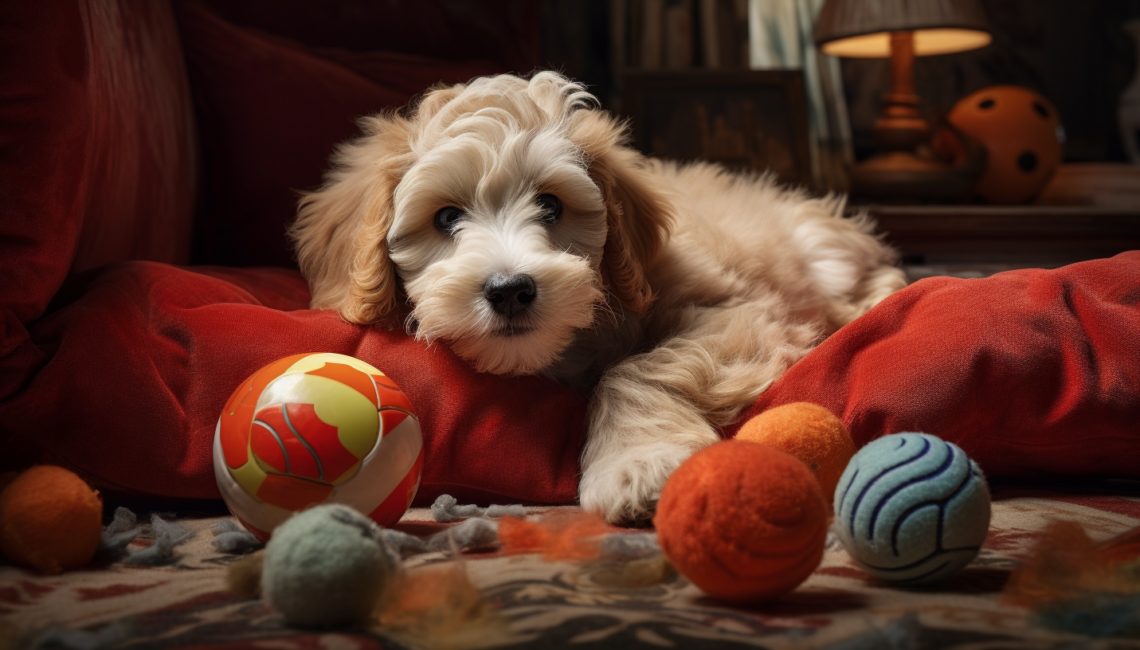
(912, 508)
(326, 567)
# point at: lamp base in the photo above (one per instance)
(904, 175)
(900, 171)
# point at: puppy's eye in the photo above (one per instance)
(447, 218)
(551, 208)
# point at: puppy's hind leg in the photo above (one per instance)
(651, 411)
(851, 269)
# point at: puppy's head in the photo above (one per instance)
(505, 212)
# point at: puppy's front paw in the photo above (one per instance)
(624, 487)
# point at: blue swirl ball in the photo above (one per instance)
(912, 508)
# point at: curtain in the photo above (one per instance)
(780, 36)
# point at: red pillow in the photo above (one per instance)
(1033, 373)
(271, 113)
(146, 358)
(97, 159)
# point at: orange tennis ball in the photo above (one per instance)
(743, 522)
(50, 520)
(809, 432)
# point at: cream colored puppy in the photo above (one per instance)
(509, 218)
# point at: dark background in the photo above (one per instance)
(1072, 51)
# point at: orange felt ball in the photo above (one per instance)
(50, 520)
(744, 522)
(809, 432)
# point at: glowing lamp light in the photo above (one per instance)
(902, 30)
(927, 42)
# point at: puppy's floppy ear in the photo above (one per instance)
(341, 229)
(638, 215)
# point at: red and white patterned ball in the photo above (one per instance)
(317, 428)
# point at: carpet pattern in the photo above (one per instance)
(562, 604)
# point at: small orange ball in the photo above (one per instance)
(809, 432)
(50, 520)
(743, 522)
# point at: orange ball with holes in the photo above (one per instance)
(1022, 133)
(809, 432)
(50, 520)
(743, 522)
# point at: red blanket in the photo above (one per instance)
(1032, 372)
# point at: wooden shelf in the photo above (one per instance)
(1021, 235)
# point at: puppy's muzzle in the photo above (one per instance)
(510, 295)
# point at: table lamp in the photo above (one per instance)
(902, 30)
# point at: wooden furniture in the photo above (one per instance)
(1007, 236)
(742, 119)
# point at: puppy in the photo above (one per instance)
(509, 218)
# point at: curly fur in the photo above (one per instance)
(673, 294)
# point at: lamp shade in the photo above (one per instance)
(861, 28)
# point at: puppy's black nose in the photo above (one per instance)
(510, 294)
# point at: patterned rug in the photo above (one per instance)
(544, 604)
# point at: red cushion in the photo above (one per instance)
(97, 154)
(144, 361)
(1033, 373)
(271, 113)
